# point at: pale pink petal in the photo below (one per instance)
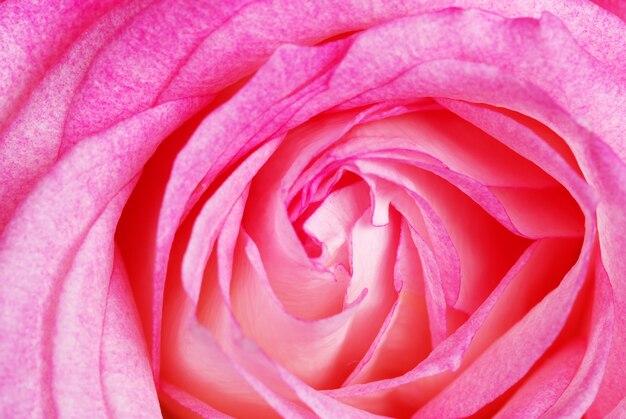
(194, 361)
(127, 380)
(225, 383)
(332, 222)
(386, 193)
(373, 254)
(76, 325)
(309, 349)
(544, 385)
(269, 379)
(582, 390)
(404, 338)
(294, 277)
(255, 369)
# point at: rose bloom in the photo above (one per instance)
(300, 209)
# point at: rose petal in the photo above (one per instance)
(78, 318)
(618, 411)
(180, 402)
(332, 222)
(582, 390)
(460, 146)
(29, 144)
(267, 377)
(615, 7)
(545, 385)
(449, 353)
(479, 272)
(28, 51)
(260, 28)
(309, 349)
(127, 380)
(510, 357)
(219, 139)
(214, 211)
(403, 339)
(128, 74)
(104, 165)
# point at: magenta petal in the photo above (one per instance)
(619, 411)
(609, 176)
(33, 36)
(615, 7)
(129, 72)
(30, 143)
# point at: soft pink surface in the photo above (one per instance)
(312, 209)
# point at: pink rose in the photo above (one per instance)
(313, 209)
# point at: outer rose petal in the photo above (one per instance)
(30, 143)
(260, 28)
(27, 50)
(104, 165)
(609, 174)
(616, 7)
(74, 343)
(127, 380)
(584, 386)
